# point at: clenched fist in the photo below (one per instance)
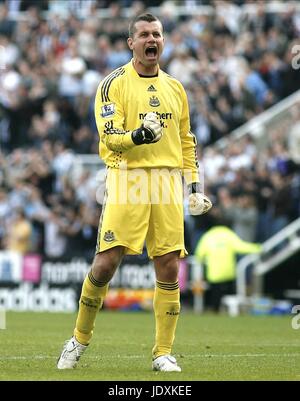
(150, 132)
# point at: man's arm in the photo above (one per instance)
(242, 247)
(198, 202)
(109, 115)
(188, 145)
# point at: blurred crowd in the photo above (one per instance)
(54, 53)
(255, 189)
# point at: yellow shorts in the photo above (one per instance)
(139, 205)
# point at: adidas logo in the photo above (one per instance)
(151, 89)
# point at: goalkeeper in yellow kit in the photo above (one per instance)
(143, 121)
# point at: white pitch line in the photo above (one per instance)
(262, 355)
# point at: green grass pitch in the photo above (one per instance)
(207, 347)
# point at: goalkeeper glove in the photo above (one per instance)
(198, 202)
(150, 132)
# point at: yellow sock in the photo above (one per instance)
(166, 304)
(91, 300)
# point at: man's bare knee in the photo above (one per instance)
(166, 267)
(106, 263)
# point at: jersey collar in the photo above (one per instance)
(136, 74)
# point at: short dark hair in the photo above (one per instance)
(142, 17)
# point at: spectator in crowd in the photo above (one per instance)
(19, 233)
(55, 240)
(4, 213)
(6, 25)
(217, 250)
(280, 203)
(263, 195)
(242, 215)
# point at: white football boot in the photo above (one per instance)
(166, 363)
(70, 354)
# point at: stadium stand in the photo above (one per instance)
(235, 60)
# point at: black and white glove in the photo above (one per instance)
(198, 202)
(150, 132)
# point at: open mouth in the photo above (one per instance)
(151, 51)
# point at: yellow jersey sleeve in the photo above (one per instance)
(109, 115)
(242, 247)
(188, 144)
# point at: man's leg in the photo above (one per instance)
(165, 243)
(216, 295)
(166, 302)
(94, 290)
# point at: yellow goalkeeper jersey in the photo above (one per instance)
(122, 100)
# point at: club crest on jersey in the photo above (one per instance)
(109, 236)
(108, 110)
(154, 101)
